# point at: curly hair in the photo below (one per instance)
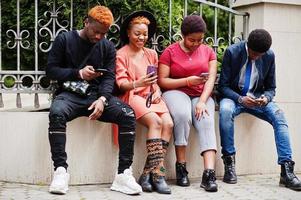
(102, 15)
(193, 24)
(139, 20)
(259, 40)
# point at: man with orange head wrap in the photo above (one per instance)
(86, 58)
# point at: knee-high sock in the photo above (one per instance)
(165, 145)
(155, 156)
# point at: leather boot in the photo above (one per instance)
(153, 160)
(230, 174)
(145, 182)
(159, 184)
(182, 175)
(208, 180)
(288, 178)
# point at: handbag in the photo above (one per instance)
(79, 87)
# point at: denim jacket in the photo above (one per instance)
(234, 58)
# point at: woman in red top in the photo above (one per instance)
(137, 85)
(187, 72)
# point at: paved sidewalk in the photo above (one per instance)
(252, 187)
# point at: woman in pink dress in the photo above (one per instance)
(141, 92)
(187, 72)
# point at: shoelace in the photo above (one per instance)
(290, 169)
(183, 170)
(212, 177)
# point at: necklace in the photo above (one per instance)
(189, 57)
(185, 51)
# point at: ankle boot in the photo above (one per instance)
(153, 160)
(208, 180)
(230, 174)
(288, 178)
(182, 174)
(145, 182)
(159, 184)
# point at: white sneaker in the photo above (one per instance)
(59, 184)
(126, 183)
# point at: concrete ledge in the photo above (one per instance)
(92, 158)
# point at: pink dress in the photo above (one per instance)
(128, 70)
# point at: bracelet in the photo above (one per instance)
(187, 82)
(134, 84)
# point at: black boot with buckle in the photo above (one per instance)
(230, 174)
(288, 178)
(208, 180)
(182, 174)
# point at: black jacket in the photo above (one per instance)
(66, 58)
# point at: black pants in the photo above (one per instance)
(68, 106)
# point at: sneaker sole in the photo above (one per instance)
(58, 191)
(124, 190)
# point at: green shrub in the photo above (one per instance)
(118, 7)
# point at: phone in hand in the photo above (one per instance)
(252, 96)
(260, 98)
(101, 70)
(204, 74)
(151, 69)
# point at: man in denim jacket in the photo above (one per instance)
(247, 84)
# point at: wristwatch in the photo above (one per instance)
(104, 100)
(240, 100)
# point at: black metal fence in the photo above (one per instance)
(38, 39)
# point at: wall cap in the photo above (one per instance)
(240, 3)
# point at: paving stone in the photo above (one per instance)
(252, 187)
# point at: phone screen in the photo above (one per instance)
(205, 74)
(151, 69)
(101, 70)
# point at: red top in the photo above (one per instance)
(183, 64)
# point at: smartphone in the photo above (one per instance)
(151, 69)
(101, 70)
(260, 98)
(204, 74)
(251, 96)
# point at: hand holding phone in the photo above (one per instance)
(101, 70)
(151, 69)
(204, 75)
(262, 100)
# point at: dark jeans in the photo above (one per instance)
(270, 113)
(68, 106)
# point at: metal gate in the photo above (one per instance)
(38, 38)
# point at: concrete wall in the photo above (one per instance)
(92, 157)
(24, 148)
